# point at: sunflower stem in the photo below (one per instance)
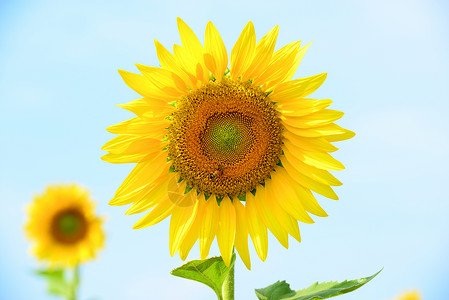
(75, 282)
(228, 285)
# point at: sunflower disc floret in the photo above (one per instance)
(226, 138)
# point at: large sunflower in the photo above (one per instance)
(63, 226)
(226, 152)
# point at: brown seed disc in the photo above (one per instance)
(225, 138)
(69, 226)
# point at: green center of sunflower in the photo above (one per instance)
(225, 138)
(69, 226)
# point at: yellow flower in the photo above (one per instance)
(226, 152)
(63, 226)
(413, 295)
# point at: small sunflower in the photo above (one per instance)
(226, 152)
(412, 295)
(63, 226)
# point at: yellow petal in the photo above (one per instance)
(280, 63)
(141, 177)
(177, 193)
(257, 230)
(320, 118)
(326, 130)
(168, 61)
(320, 160)
(290, 201)
(226, 229)
(209, 226)
(156, 194)
(323, 161)
(167, 81)
(215, 56)
(142, 105)
(190, 65)
(122, 142)
(304, 195)
(143, 86)
(269, 219)
(314, 173)
(294, 66)
(241, 235)
(262, 55)
(298, 107)
(150, 127)
(157, 214)
(340, 137)
(192, 235)
(289, 223)
(317, 187)
(128, 158)
(243, 51)
(298, 88)
(181, 220)
(190, 42)
(317, 144)
(143, 206)
(132, 144)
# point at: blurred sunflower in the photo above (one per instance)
(226, 152)
(63, 226)
(413, 295)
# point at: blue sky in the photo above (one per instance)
(387, 65)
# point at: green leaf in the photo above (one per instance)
(275, 291)
(56, 282)
(281, 290)
(212, 272)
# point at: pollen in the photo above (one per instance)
(225, 138)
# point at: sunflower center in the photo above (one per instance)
(225, 138)
(69, 226)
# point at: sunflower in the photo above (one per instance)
(63, 226)
(226, 152)
(413, 295)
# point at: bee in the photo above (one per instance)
(217, 172)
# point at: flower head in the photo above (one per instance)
(412, 295)
(226, 152)
(63, 226)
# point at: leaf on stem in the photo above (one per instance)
(317, 291)
(211, 272)
(57, 284)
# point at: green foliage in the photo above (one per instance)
(57, 283)
(211, 272)
(281, 290)
(276, 291)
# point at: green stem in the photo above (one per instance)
(75, 282)
(228, 285)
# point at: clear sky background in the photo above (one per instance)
(387, 64)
